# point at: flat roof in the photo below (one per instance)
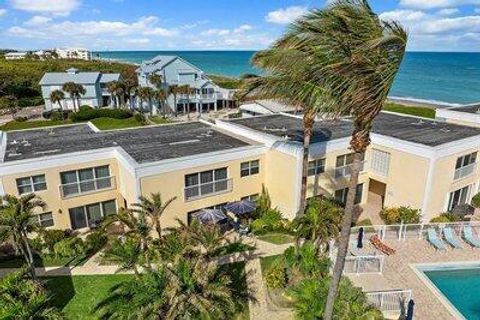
(144, 145)
(474, 108)
(417, 130)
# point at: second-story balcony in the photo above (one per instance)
(74, 189)
(208, 189)
(346, 171)
(464, 171)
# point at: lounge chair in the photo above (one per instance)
(470, 238)
(434, 240)
(379, 245)
(452, 238)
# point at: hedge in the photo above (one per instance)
(90, 114)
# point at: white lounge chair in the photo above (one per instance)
(470, 238)
(434, 240)
(452, 238)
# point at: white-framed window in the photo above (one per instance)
(380, 162)
(84, 216)
(45, 219)
(341, 194)
(458, 197)
(205, 183)
(316, 167)
(343, 165)
(85, 180)
(31, 184)
(252, 197)
(249, 168)
(466, 160)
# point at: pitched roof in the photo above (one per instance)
(56, 78)
(157, 63)
(108, 77)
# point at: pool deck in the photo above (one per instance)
(399, 272)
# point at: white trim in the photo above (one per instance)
(93, 127)
(428, 189)
(452, 114)
(3, 145)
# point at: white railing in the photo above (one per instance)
(346, 171)
(363, 264)
(207, 189)
(73, 189)
(207, 96)
(394, 300)
(464, 171)
(402, 232)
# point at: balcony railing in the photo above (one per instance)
(363, 264)
(86, 186)
(394, 300)
(464, 171)
(207, 96)
(346, 171)
(208, 189)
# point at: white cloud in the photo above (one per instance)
(476, 10)
(3, 12)
(138, 41)
(403, 15)
(37, 21)
(433, 4)
(58, 7)
(215, 32)
(285, 16)
(243, 28)
(448, 12)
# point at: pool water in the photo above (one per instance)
(461, 288)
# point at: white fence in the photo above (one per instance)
(363, 264)
(411, 231)
(390, 301)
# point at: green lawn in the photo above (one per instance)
(109, 123)
(267, 262)
(277, 238)
(77, 296)
(19, 125)
(45, 261)
(411, 110)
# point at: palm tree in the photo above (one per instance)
(23, 298)
(71, 89)
(130, 89)
(145, 94)
(57, 96)
(321, 221)
(173, 90)
(159, 96)
(128, 254)
(120, 93)
(359, 58)
(79, 91)
(112, 87)
(156, 80)
(17, 221)
(134, 225)
(153, 208)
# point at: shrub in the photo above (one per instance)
(140, 118)
(70, 247)
(270, 221)
(37, 244)
(264, 203)
(52, 237)
(7, 249)
(476, 201)
(275, 277)
(90, 114)
(59, 116)
(397, 215)
(85, 108)
(95, 241)
(364, 222)
(445, 218)
(306, 260)
(21, 119)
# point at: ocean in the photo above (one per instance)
(452, 78)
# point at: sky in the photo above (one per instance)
(433, 25)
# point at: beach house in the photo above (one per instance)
(84, 174)
(176, 72)
(94, 83)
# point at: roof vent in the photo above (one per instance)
(47, 152)
(284, 129)
(14, 153)
(419, 123)
(445, 130)
(14, 142)
(51, 132)
(72, 71)
(183, 142)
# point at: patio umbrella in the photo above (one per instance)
(210, 216)
(360, 238)
(241, 207)
(411, 304)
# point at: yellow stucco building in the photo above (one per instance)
(84, 174)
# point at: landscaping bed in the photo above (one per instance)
(277, 238)
(112, 124)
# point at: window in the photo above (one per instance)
(249, 168)
(82, 217)
(252, 197)
(31, 184)
(343, 165)
(465, 165)
(380, 162)
(45, 219)
(202, 184)
(344, 160)
(316, 167)
(85, 180)
(458, 197)
(341, 195)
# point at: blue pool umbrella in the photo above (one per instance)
(206, 216)
(411, 305)
(241, 207)
(360, 238)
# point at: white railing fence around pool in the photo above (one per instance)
(393, 301)
(411, 231)
(363, 264)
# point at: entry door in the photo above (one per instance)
(77, 218)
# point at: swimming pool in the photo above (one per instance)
(457, 285)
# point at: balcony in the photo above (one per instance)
(346, 171)
(464, 171)
(207, 96)
(74, 189)
(208, 189)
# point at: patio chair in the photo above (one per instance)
(434, 240)
(470, 238)
(452, 238)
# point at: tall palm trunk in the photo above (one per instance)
(308, 121)
(29, 255)
(345, 233)
(73, 104)
(61, 110)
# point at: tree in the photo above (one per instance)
(145, 94)
(321, 221)
(9, 103)
(71, 88)
(112, 87)
(134, 225)
(159, 96)
(128, 254)
(153, 208)
(57, 96)
(17, 221)
(173, 90)
(156, 80)
(79, 91)
(23, 298)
